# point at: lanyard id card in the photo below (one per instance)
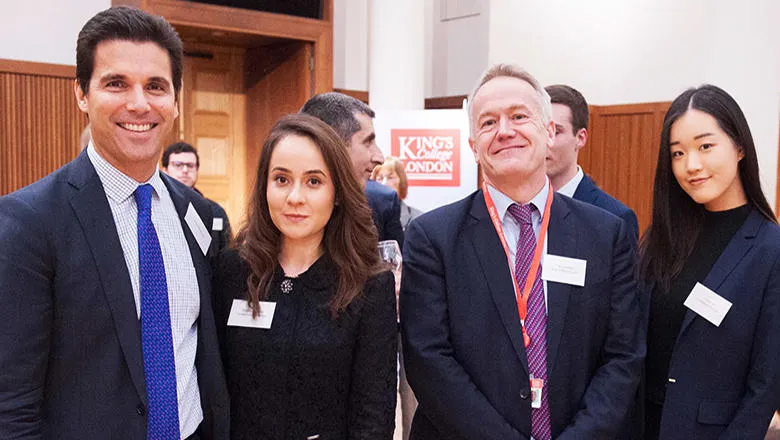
(537, 385)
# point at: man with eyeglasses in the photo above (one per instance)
(181, 161)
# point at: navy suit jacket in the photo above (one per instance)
(726, 379)
(462, 339)
(386, 211)
(71, 364)
(588, 192)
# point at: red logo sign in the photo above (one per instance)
(431, 157)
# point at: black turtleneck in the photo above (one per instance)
(667, 310)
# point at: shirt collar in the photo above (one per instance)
(503, 201)
(117, 185)
(571, 185)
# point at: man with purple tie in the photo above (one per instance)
(106, 326)
(519, 309)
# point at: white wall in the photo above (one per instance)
(617, 51)
(44, 30)
(350, 44)
(460, 33)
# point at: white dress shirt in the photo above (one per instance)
(512, 227)
(183, 290)
(571, 185)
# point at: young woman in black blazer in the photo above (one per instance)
(319, 359)
(711, 259)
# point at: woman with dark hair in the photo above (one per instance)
(306, 309)
(391, 173)
(711, 259)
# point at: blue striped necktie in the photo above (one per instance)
(156, 336)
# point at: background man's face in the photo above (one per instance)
(183, 167)
(363, 151)
(510, 139)
(131, 103)
(562, 156)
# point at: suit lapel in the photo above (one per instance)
(182, 202)
(202, 269)
(561, 240)
(494, 264)
(735, 251)
(93, 212)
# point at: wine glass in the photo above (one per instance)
(390, 253)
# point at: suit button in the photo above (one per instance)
(140, 410)
(525, 393)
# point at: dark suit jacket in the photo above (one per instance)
(71, 364)
(386, 211)
(462, 339)
(588, 192)
(727, 378)
(223, 237)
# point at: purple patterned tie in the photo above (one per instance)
(536, 320)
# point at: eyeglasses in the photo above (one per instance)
(183, 166)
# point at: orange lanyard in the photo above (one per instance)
(521, 297)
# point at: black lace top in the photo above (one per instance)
(309, 374)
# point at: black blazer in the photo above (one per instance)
(310, 374)
(588, 192)
(726, 379)
(70, 344)
(462, 339)
(386, 211)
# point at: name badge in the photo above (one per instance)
(218, 224)
(707, 304)
(198, 229)
(564, 270)
(241, 314)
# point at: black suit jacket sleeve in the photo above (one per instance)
(393, 228)
(373, 388)
(612, 389)
(452, 400)
(763, 384)
(26, 305)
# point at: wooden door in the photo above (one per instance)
(213, 119)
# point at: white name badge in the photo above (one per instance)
(707, 304)
(241, 314)
(218, 224)
(198, 229)
(564, 270)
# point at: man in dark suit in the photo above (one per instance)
(352, 119)
(570, 114)
(106, 326)
(182, 162)
(568, 364)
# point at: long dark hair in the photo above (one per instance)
(677, 218)
(350, 237)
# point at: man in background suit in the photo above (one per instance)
(465, 347)
(182, 162)
(106, 326)
(570, 114)
(352, 119)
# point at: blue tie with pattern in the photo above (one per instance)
(156, 336)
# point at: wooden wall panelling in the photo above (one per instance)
(41, 123)
(622, 151)
(281, 91)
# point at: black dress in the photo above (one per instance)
(309, 374)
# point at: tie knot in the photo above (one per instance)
(143, 197)
(521, 213)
